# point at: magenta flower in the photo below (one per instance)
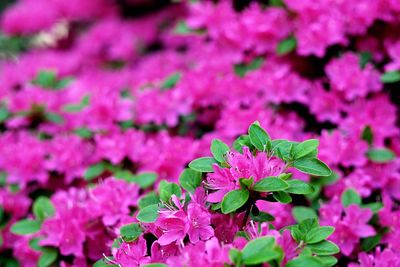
(177, 223)
(347, 77)
(384, 258)
(132, 254)
(350, 227)
(241, 166)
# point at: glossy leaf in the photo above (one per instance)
(234, 200)
(270, 184)
(203, 164)
(312, 166)
(219, 149)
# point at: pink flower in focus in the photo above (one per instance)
(175, 224)
(241, 166)
(132, 254)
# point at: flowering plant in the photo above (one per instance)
(235, 181)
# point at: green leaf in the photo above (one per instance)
(182, 28)
(326, 180)
(25, 227)
(306, 225)
(262, 217)
(305, 148)
(374, 207)
(286, 46)
(148, 214)
(365, 57)
(203, 164)
(234, 200)
(282, 197)
(259, 250)
(316, 235)
(296, 233)
(328, 261)
(350, 197)
(104, 263)
(246, 183)
(94, 171)
(299, 187)
(171, 81)
(390, 77)
(304, 261)
(371, 242)
(155, 265)
(235, 256)
(84, 132)
(63, 83)
(48, 257)
(367, 135)
(258, 136)
(324, 248)
(190, 179)
(54, 117)
(242, 69)
(270, 184)
(45, 79)
(43, 208)
(77, 107)
(34, 243)
(4, 114)
(147, 200)
(130, 232)
(145, 179)
(243, 140)
(167, 189)
(312, 166)
(302, 213)
(278, 3)
(380, 155)
(219, 149)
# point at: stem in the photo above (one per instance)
(246, 216)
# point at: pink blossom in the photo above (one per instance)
(175, 224)
(132, 254)
(241, 166)
(347, 77)
(350, 227)
(380, 258)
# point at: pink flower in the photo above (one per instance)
(209, 253)
(176, 224)
(347, 77)
(326, 105)
(66, 229)
(384, 258)
(69, 155)
(132, 254)
(241, 166)
(337, 148)
(154, 106)
(121, 192)
(350, 227)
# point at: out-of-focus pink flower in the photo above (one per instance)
(380, 258)
(338, 148)
(350, 227)
(347, 77)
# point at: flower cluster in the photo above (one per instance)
(115, 120)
